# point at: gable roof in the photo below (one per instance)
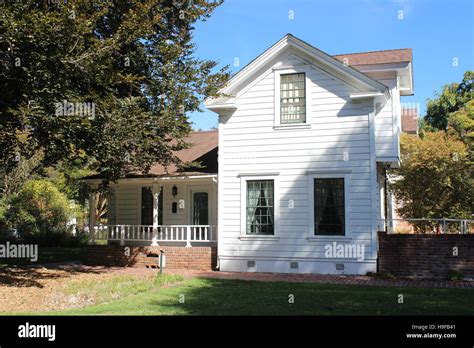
(331, 65)
(377, 57)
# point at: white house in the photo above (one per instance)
(303, 143)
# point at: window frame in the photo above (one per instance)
(277, 94)
(304, 96)
(243, 206)
(311, 202)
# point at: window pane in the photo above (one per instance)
(329, 209)
(292, 98)
(260, 207)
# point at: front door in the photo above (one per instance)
(200, 213)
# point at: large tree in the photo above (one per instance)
(453, 97)
(432, 180)
(133, 61)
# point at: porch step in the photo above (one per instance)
(147, 257)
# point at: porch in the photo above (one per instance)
(168, 211)
(176, 235)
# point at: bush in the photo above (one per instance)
(40, 213)
(455, 275)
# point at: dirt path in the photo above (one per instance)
(32, 289)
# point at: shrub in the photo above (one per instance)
(40, 213)
(455, 275)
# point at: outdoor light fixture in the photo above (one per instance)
(174, 191)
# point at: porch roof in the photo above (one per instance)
(203, 149)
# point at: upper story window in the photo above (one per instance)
(292, 98)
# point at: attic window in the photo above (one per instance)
(292, 98)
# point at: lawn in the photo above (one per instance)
(198, 296)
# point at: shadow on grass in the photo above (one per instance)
(30, 276)
(237, 297)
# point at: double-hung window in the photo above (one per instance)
(329, 206)
(292, 98)
(260, 208)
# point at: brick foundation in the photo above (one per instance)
(425, 255)
(198, 258)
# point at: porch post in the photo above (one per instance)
(156, 196)
(188, 236)
(92, 221)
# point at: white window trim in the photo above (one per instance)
(330, 175)
(295, 70)
(243, 205)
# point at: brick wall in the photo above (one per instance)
(425, 255)
(201, 258)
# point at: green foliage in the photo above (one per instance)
(132, 60)
(432, 178)
(66, 176)
(455, 275)
(40, 213)
(461, 124)
(452, 98)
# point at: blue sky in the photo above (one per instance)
(440, 32)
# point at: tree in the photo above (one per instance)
(101, 81)
(453, 97)
(432, 181)
(41, 213)
(461, 125)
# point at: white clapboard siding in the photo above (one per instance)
(111, 208)
(127, 205)
(249, 143)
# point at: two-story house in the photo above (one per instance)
(295, 175)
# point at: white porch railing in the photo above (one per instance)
(163, 233)
(430, 226)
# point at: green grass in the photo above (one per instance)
(236, 297)
(118, 287)
(48, 255)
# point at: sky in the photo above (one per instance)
(440, 32)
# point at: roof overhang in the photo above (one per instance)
(403, 70)
(311, 54)
(148, 180)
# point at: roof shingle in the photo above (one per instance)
(376, 57)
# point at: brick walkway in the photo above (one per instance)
(273, 277)
(326, 279)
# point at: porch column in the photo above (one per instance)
(92, 221)
(156, 195)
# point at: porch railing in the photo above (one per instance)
(163, 233)
(429, 226)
